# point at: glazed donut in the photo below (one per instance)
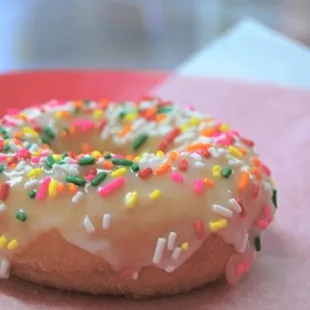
(132, 198)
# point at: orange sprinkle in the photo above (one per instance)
(78, 104)
(125, 130)
(72, 188)
(242, 150)
(103, 103)
(22, 117)
(208, 182)
(243, 181)
(19, 135)
(65, 114)
(256, 161)
(86, 147)
(108, 165)
(64, 134)
(61, 188)
(45, 146)
(12, 165)
(130, 157)
(198, 146)
(149, 113)
(257, 173)
(72, 130)
(163, 169)
(173, 156)
(207, 132)
(160, 118)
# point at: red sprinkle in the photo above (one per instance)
(266, 170)
(200, 230)
(145, 173)
(102, 125)
(204, 153)
(183, 165)
(163, 146)
(243, 210)
(173, 134)
(4, 191)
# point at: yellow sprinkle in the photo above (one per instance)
(184, 246)
(160, 154)
(216, 170)
(184, 128)
(52, 188)
(31, 132)
(224, 127)
(131, 116)
(96, 154)
(97, 114)
(35, 172)
(131, 199)
(194, 121)
(57, 157)
(138, 158)
(214, 226)
(234, 151)
(155, 194)
(119, 172)
(3, 241)
(12, 245)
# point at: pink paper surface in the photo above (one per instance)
(279, 121)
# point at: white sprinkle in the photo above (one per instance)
(13, 146)
(169, 269)
(31, 183)
(221, 152)
(135, 275)
(4, 268)
(27, 168)
(245, 169)
(234, 205)
(100, 160)
(159, 250)
(235, 162)
(106, 221)
(196, 156)
(267, 187)
(199, 164)
(77, 197)
(73, 171)
(185, 136)
(176, 253)
(222, 211)
(34, 148)
(20, 166)
(243, 244)
(213, 152)
(171, 240)
(68, 160)
(2, 207)
(88, 224)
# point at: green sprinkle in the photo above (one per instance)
(76, 110)
(21, 215)
(164, 109)
(1, 168)
(257, 243)
(46, 140)
(122, 114)
(98, 178)
(75, 180)
(89, 160)
(47, 131)
(50, 161)
(139, 141)
(107, 156)
(121, 162)
(87, 102)
(6, 149)
(32, 194)
(135, 167)
(274, 198)
(226, 172)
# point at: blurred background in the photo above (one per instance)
(141, 34)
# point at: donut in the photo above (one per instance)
(137, 198)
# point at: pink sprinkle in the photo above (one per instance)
(111, 187)
(198, 187)
(216, 133)
(190, 107)
(85, 125)
(227, 140)
(267, 213)
(3, 158)
(42, 191)
(119, 156)
(35, 160)
(266, 170)
(262, 224)
(177, 177)
(89, 177)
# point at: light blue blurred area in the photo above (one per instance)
(142, 34)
